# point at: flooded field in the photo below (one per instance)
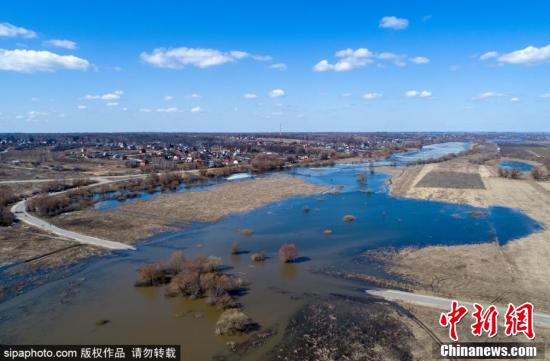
(432, 151)
(521, 166)
(99, 304)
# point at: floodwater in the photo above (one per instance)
(108, 201)
(432, 151)
(68, 310)
(522, 166)
(238, 176)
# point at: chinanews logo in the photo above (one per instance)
(516, 321)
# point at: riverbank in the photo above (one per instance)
(134, 221)
(514, 272)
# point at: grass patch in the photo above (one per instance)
(447, 179)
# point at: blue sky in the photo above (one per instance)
(248, 66)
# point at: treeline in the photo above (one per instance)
(6, 198)
(74, 200)
(512, 173)
(538, 173)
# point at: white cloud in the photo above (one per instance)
(488, 55)
(397, 59)
(167, 110)
(11, 31)
(29, 61)
(322, 66)
(349, 59)
(392, 22)
(82, 107)
(177, 58)
(487, 95)
(545, 95)
(250, 96)
(108, 96)
(417, 93)
(514, 99)
(112, 104)
(145, 110)
(61, 43)
(372, 96)
(195, 96)
(32, 116)
(278, 66)
(276, 93)
(419, 60)
(168, 98)
(347, 94)
(529, 56)
(197, 110)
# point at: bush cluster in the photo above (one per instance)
(509, 173)
(258, 257)
(349, 218)
(288, 252)
(540, 173)
(233, 322)
(197, 278)
(6, 198)
(266, 162)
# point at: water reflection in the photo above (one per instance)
(288, 271)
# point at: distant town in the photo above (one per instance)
(163, 151)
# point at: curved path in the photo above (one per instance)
(99, 179)
(541, 319)
(20, 211)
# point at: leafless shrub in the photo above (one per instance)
(512, 173)
(233, 322)
(150, 275)
(175, 263)
(266, 162)
(258, 257)
(539, 173)
(7, 196)
(235, 248)
(348, 218)
(288, 252)
(6, 217)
